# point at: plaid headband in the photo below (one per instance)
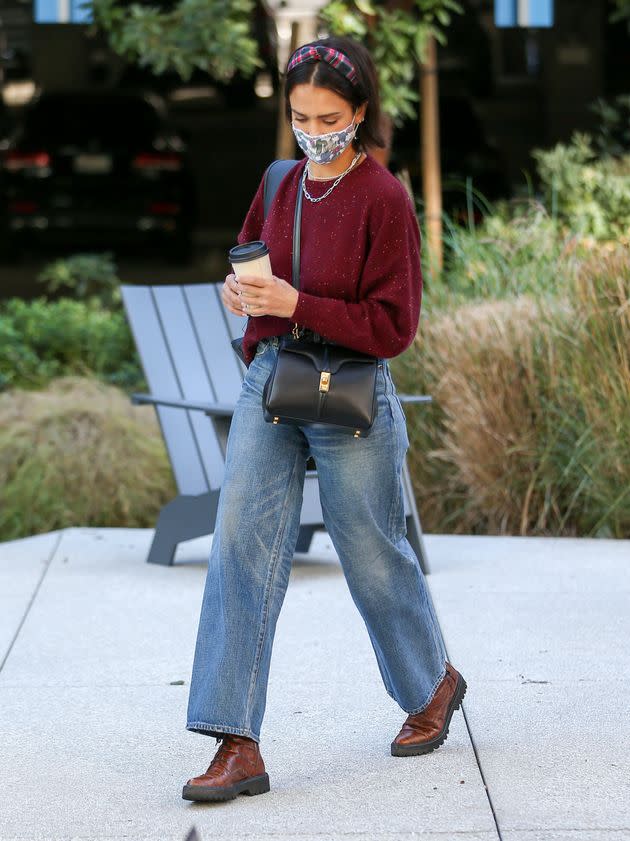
(320, 53)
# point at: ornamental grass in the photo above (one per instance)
(529, 432)
(77, 453)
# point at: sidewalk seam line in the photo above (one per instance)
(483, 779)
(462, 708)
(32, 598)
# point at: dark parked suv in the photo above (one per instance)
(97, 168)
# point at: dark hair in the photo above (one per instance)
(322, 75)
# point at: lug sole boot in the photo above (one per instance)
(237, 768)
(425, 731)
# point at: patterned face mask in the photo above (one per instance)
(324, 148)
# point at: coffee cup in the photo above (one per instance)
(251, 258)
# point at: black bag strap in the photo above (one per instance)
(274, 174)
(296, 238)
(311, 335)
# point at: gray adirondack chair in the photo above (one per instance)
(183, 336)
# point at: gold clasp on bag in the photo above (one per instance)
(324, 381)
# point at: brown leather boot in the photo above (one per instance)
(425, 731)
(237, 768)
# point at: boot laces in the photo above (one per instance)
(225, 749)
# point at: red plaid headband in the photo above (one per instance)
(327, 54)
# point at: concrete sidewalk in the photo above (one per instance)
(96, 649)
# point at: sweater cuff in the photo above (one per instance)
(301, 312)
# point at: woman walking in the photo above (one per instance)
(361, 288)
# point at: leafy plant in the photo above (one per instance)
(42, 339)
(518, 250)
(90, 277)
(590, 195)
(216, 36)
(613, 132)
(621, 11)
(397, 39)
(211, 35)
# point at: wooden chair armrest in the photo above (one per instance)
(227, 410)
(415, 398)
(217, 409)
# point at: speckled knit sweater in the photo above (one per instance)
(360, 275)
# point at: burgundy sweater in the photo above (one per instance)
(360, 275)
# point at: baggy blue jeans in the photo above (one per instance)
(257, 525)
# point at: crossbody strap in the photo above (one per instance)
(296, 237)
(274, 174)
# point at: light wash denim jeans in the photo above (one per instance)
(258, 519)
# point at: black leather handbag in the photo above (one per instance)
(317, 381)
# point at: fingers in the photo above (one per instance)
(237, 291)
(230, 295)
(232, 283)
(253, 280)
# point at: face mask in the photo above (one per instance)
(324, 148)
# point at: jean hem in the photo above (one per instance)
(431, 694)
(219, 729)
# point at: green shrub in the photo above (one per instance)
(79, 453)
(89, 277)
(518, 250)
(43, 339)
(590, 195)
(613, 132)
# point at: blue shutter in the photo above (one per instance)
(46, 11)
(80, 15)
(529, 13)
(61, 11)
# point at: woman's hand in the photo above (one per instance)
(262, 295)
(230, 295)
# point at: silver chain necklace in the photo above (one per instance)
(330, 189)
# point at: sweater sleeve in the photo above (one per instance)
(385, 319)
(252, 226)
